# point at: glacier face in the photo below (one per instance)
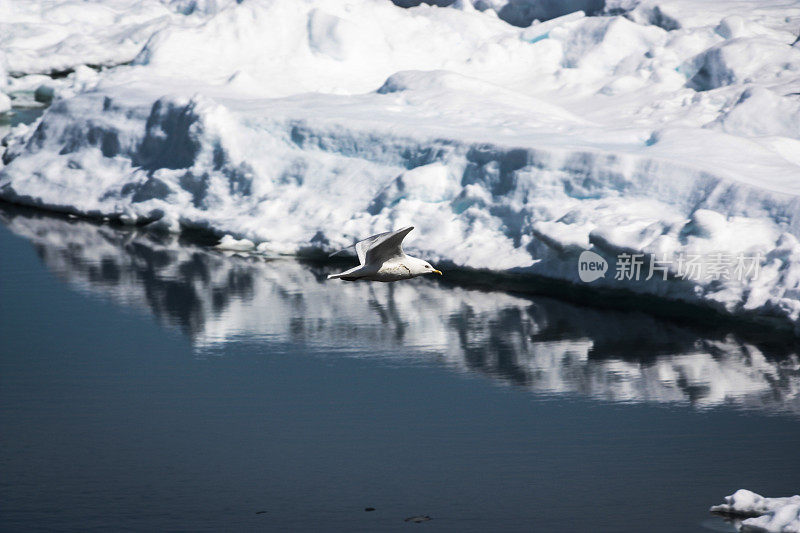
(544, 345)
(659, 128)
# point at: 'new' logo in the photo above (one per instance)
(591, 266)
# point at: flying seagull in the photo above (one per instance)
(381, 258)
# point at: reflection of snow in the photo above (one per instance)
(545, 345)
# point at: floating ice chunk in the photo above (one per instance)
(785, 519)
(230, 243)
(771, 515)
(747, 503)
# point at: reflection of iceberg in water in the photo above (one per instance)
(543, 344)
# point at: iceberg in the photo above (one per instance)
(651, 131)
(768, 515)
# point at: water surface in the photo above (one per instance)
(152, 384)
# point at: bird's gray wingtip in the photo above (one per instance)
(337, 252)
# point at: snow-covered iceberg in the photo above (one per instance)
(547, 346)
(769, 515)
(658, 130)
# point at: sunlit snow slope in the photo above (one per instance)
(661, 127)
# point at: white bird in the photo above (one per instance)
(381, 258)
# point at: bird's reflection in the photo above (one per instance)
(543, 344)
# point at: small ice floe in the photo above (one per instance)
(768, 515)
(231, 244)
(418, 519)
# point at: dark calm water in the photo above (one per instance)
(148, 384)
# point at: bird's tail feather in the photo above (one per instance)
(348, 275)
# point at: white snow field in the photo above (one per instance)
(770, 515)
(656, 127)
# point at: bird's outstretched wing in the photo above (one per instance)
(363, 245)
(385, 246)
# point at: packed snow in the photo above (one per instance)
(513, 135)
(546, 346)
(770, 515)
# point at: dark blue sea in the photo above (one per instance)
(153, 384)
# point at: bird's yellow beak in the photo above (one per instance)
(437, 272)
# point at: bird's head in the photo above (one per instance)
(423, 267)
